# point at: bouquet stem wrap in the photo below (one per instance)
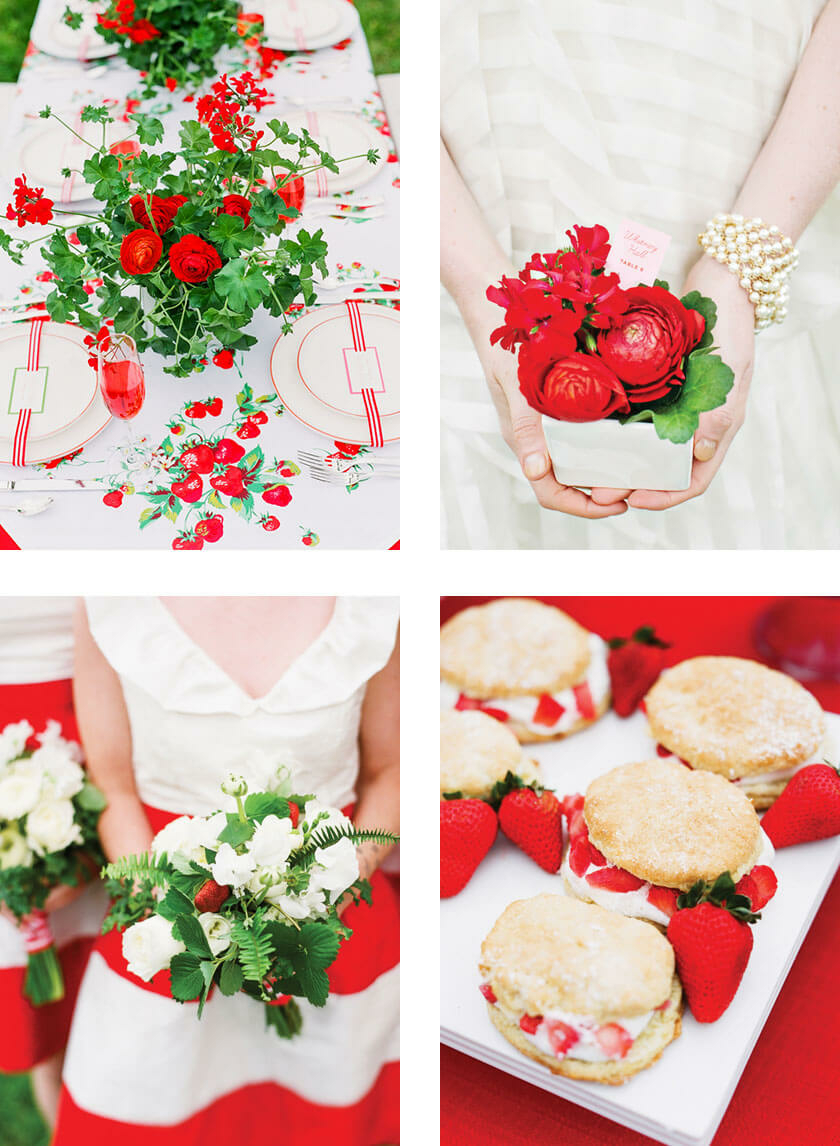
(44, 982)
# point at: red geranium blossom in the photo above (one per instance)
(142, 31)
(223, 110)
(30, 206)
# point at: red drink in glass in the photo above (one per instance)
(121, 380)
(292, 192)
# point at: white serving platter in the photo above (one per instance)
(665, 1101)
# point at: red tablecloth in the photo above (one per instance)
(789, 1093)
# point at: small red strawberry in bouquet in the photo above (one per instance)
(589, 349)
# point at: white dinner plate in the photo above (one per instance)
(69, 410)
(309, 369)
(50, 34)
(341, 134)
(44, 149)
(664, 1101)
(306, 25)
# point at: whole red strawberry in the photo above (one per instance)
(712, 943)
(634, 665)
(467, 831)
(533, 820)
(211, 895)
(808, 809)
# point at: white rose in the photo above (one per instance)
(13, 849)
(309, 904)
(52, 827)
(232, 869)
(333, 817)
(335, 869)
(63, 776)
(273, 841)
(19, 793)
(217, 929)
(149, 946)
(186, 836)
(13, 740)
(52, 737)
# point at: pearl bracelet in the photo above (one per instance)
(760, 255)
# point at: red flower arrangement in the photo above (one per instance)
(30, 205)
(589, 349)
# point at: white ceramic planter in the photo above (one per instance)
(620, 457)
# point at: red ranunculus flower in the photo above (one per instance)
(647, 344)
(140, 252)
(193, 260)
(577, 388)
(236, 205)
(157, 216)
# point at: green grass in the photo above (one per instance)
(380, 18)
(20, 1122)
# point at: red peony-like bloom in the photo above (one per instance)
(647, 344)
(159, 214)
(577, 388)
(29, 206)
(140, 252)
(193, 260)
(236, 205)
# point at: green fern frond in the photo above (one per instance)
(255, 950)
(137, 867)
(326, 837)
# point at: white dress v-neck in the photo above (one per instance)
(558, 113)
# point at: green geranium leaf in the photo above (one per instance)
(708, 380)
(694, 300)
(149, 128)
(186, 976)
(93, 114)
(243, 286)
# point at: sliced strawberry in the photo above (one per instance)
(663, 1006)
(561, 1036)
(529, 1023)
(573, 803)
(487, 992)
(548, 711)
(577, 825)
(583, 854)
(664, 899)
(613, 1040)
(614, 879)
(661, 750)
(583, 699)
(758, 885)
(465, 703)
(497, 714)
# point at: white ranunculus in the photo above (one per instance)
(335, 868)
(13, 740)
(149, 946)
(333, 817)
(63, 777)
(273, 841)
(309, 904)
(232, 869)
(14, 851)
(52, 827)
(217, 929)
(19, 793)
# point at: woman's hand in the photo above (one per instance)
(735, 341)
(59, 897)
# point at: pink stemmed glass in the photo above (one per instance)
(120, 376)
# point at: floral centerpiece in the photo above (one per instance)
(190, 243)
(589, 350)
(49, 813)
(172, 43)
(244, 900)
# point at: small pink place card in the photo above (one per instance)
(637, 253)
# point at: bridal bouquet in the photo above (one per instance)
(244, 900)
(172, 43)
(49, 814)
(589, 350)
(188, 244)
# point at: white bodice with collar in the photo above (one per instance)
(191, 723)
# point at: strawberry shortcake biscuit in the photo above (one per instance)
(589, 994)
(748, 723)
(645, 832)
(477, 752)
(527, 664)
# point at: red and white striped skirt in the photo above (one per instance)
(142, 1070)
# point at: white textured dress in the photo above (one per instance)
(142, 1066)
(558, 113)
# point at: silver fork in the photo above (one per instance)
(342, 471)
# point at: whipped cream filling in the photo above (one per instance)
(587, 1047)
(522, 709)
(635, 903)
(826, 750)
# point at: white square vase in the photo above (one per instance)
(619, 457)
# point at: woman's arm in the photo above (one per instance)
(106, 735)
(471, 260)
(378, 803)
(793, 174)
